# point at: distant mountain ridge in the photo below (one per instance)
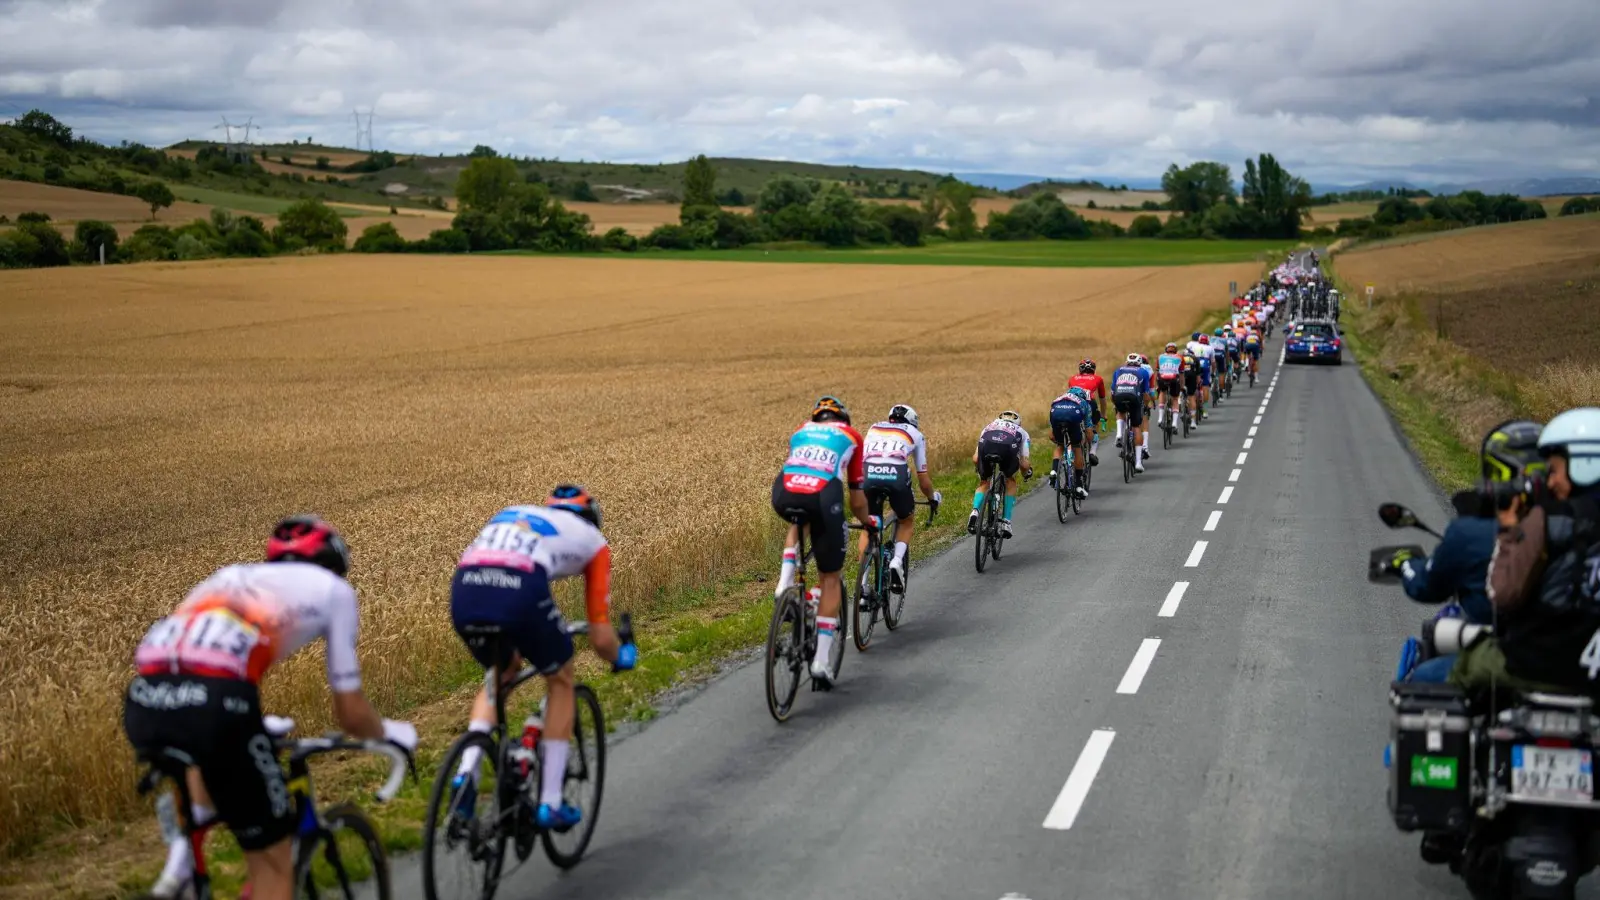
(1522, 187)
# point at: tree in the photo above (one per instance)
(323, 164)
(1145, 226)
(44, 126)
(90, 236)
(1276, 200)
(837, 216)
(156, 194)
(583, 192)
(50, 248)
(311, 223)
(1196, 188)
(1577, 206)
(699, 183)
(491, 184)
(380, 238)
(482, 151)
(620, 239)
(961, 222)
(904, 223)
(731, 197)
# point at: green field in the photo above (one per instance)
(266, 206)
(1120, 252)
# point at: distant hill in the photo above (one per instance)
(1527, 187)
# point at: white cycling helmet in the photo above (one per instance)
(904, 413)
(1576, 434)
(1133, 359)
(1011, 415)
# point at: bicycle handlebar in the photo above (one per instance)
(400, 761)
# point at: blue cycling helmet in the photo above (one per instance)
(1079, 392)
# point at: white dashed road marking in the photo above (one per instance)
(1076, 790)
(1226, 493)
(1195, 554)
(1241, 459)
(1213, 519)
(1142, 659)
(1169, 607)
(1234, 475)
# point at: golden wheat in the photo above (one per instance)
(157, 419)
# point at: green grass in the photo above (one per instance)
(267, 206)
(1119, 252)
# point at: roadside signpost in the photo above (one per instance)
(1369, 295)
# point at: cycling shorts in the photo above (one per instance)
(1169, 387)
(217, 721)
(1254, 351)
(891, 482)
(1191, 382)
(824, 512)
(1008, 453)
(1066, 422)
(1133, 406)
(520, 605)
(1205, 378)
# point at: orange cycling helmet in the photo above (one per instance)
(830, 405)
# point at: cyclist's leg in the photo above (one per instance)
(559, 714)
(829, 534)
(791, 541)
(247, 784)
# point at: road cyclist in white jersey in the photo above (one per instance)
(502, 581)
(197, 691)
(1007, 439)
(890, 450)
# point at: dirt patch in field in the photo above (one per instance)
(66, 205)
(184, 407)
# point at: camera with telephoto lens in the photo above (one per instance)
(1529, 486)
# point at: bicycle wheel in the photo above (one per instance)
(894, 605)
(1166, 432)
(1186, 421)
(869, 589)
(1063, 490)
(997, 502)
(982, 537)
(347, 861)
(585, 780)
(1077, 502)
(479, 837)
(1127, 457)
(786, 641)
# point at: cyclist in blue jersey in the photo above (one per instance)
(1130, 387)
(1069, 414)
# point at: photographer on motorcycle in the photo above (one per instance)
(1459, 566)
(1544, 578)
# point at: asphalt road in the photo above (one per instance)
(1061, 726)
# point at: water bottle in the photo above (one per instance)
(167, 815)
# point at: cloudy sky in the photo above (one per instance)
(1340, 90)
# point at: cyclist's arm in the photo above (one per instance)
(351, 708)
(920, 457)
(597, 604)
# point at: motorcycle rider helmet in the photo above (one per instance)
(306, 538)
(1511, 449)
(1575, 434)
(904, 413)
(831, 407)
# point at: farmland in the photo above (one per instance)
(159, 417)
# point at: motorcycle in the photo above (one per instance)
(1501, 783)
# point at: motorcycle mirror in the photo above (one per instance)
(1396, 516)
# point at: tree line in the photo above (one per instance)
(1397, 215)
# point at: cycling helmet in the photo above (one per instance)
(904, 413)
(306, 538)
(1575, 434)
(830, 406)
(1510, 449)
(1172, 347)
(1195, 336)
(1011, 415)
(1133, 359)
(1218, 332)
(574, 499)
(1079, 392)
(1205, 339)
(1144, 360)
(1086, 367)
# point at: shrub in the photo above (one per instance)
(1145, 227)
(903, 223)
(670, 237)
(619, 239)
(149, 243)
(313, 224)
(50, 248)
(322, 163)
(582, 191)
(445, 240)
(33, 217)
(1577, 206)
(54, 173)
(380, 238)
(89, 237)
(17, 249)
(190, 247)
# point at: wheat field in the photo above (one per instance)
(156, 419)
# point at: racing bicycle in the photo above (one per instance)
(477, 817)
(792, 634)
(989, 535)
(1186, 415)
(1066, 480)
(337, 851)
(1129, 448)
(874, 595)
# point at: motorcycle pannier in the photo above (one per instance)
(1430, 768)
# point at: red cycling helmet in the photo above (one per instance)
(1086, 367)
(306, 538)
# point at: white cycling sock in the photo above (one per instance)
(786, 573)
(1145, 441)
(553, 775)
(825, 629)
(900, 552)
(180, 865)
(474, 754)
(1121, 425)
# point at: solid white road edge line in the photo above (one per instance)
(1169, 607)
(1213, 519)
(1142, 658)
(1195, 554)
(1227, 492)
(1065, 810)
(1234, 475)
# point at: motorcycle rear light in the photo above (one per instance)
(1553, 742)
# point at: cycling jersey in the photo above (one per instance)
(820, 453)
(1130, 381)
(1170, 365)
(1005, 431)
(1195, 348)
(247, 616)
(895, 444)
(1093, 383)
(557, 542)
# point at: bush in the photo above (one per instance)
(1577, 206)
(1145, 227)
(322, 163)
(670, 237)
(89, 237)
(50, 248)
(582, 192)
(619, 239)
(248, 237)
(33, 217)
(149, 243)
(313, 224)
(190, 247)
(445, 240)
(17, 249)
(54, 173)
(380, 238)
(904, 224)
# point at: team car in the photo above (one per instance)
(1317, 341)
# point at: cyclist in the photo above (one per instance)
(1206, 376)
(503, 579)
(1191, 381)
(1096, 388)
(1006, 438)
(824, 460)
(1149, 410)
(1219, 358)
(1171, 369)
(198, 690)
(1130, 386)
(1068, 415)
(1252, 349)
(890, 449)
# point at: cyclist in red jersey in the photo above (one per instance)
(1096, 386)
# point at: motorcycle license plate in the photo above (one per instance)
(1551, 773)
